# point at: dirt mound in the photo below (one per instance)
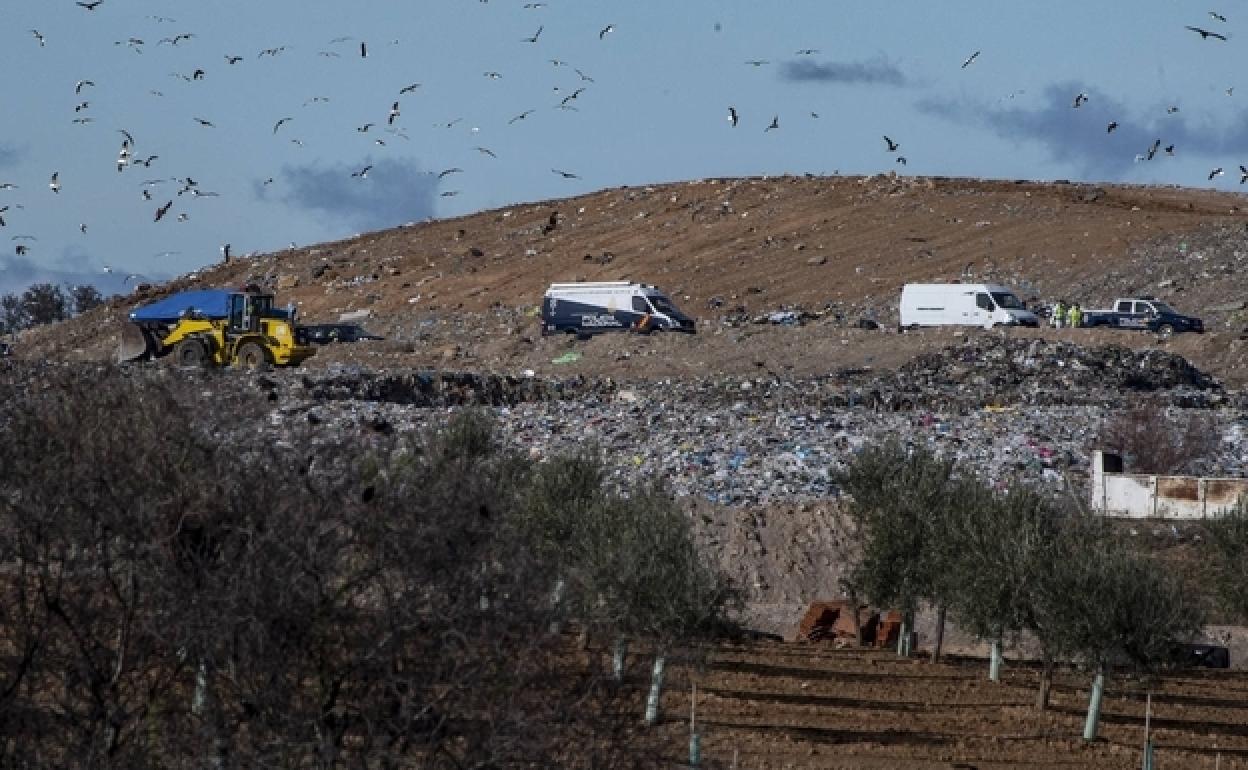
(837, 249)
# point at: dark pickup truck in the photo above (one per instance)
(1146, 314)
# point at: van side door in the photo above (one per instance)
(984, 308)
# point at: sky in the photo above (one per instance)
(266, 124)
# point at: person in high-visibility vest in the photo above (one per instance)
(1059, 315)
(1074, 316)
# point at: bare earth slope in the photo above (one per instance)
(461, 292)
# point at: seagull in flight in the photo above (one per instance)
(408, 89)
(583, 76)
(970, 59)
(892, 146)
(536, 35)
(485, 151)
(1243, 174)
(38, 36)
(229, 59)
(203, 122)
(603, 32)
(362, 173)
(394, 113)
(1218, 16)
(732, 116)
(279, 123)
(1216, 172)
(1206, 34)
(806, 52)
(90, 6)
(448, 171)
(55, 183)
(81, 83)
(757, 62)
(565, 174)
(521, 116)
(1153, 150)
(160, 212)
(1080, 99)
(1112, 125)
(775, 123)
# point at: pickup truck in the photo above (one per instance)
(1144, 313)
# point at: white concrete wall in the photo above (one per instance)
(1142, 496)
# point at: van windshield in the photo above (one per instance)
(663, 305)
(1006, 300)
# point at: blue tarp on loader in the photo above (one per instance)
(209, 303)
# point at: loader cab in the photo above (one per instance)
(246, 310)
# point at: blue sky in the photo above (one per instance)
(836, 77)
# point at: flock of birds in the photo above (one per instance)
(389, 123)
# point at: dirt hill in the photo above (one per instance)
(462, 292)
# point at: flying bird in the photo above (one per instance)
(1112, 125)
(448, 171)
(603, 32)
(160, 212)
(1080, 99)
(732, 116)
(806, 52)
(901, 159)
(1206, 34)
(362, 173)
(485, 151)
(203, 122)
(582, 75)
(572, 96)
(90, 6)
(279, 123)
(536, 35)
(775, 123)
(363, 50)
(1243, 174)
(1170, 149)
(493, 75)
(565, 174)
(38, 37)
(1218, 16)
(1216, 172)
(521, 116)
(7, 186)
(364, 128)
(449, 193)
(892, 146)
(232, 59)
(408, 89)
(757, 62)
(1171, 110)
(394, 113)
(55, 183)
(970, 59)
(79, 85)
(1153, 150)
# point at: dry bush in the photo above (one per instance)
(1153, 439)
(174, 599)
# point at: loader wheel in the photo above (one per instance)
(190, 352)
(252, 355)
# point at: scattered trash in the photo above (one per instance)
(567, 358)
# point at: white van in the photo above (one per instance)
(588, 307)
(962, 304)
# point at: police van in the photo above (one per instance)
(588, 307)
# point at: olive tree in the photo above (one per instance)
(897, 497)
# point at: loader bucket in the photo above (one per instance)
(135, 343)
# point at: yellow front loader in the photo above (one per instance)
(218, 327)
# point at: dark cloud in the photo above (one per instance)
(1079, 136)
(19, 273)
(394, 192)
(878, 72)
